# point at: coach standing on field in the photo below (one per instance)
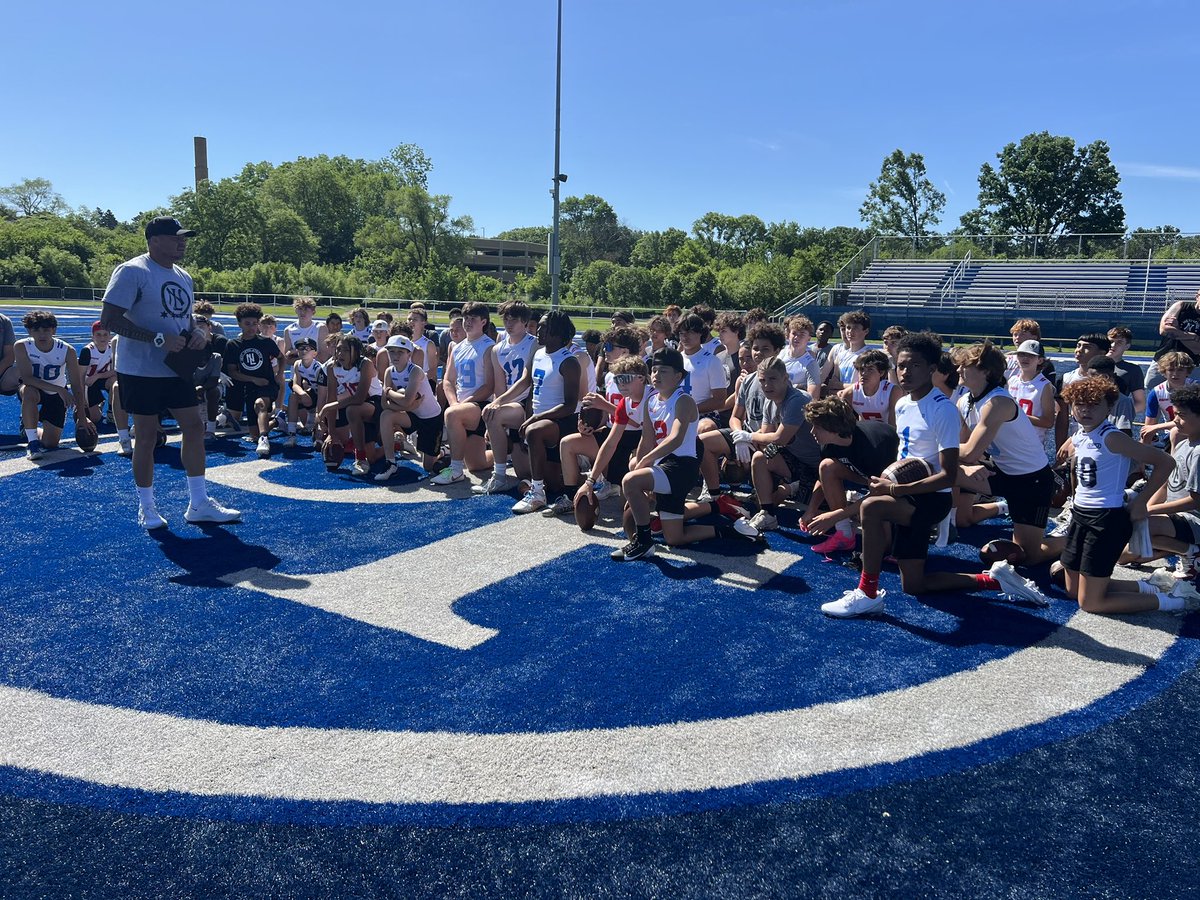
(148, 303)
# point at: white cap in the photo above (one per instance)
(399, 342)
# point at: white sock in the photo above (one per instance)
(498, 469)
(197, 490)
(457, 466)
(31, 434)
(1145, 587)
(146, 497)
(122, 434)
(1002, 505)
(538, 487)
(844, 527)
(1167, 603)
(291, 427)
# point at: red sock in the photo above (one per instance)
(987, 582)
(869, 585)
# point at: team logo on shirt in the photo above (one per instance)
(176, 300)
(251, 359)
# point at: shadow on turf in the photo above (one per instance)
(219, 552)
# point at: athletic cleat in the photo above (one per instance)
(35, 450)
(150, 519)
(496, 484)
(264, 447)
(125, 447)
(560, 507)
(743, 527)
(604, 489)
(852, 604)
(635, 549)
(281, 421)
(448, 476)
(1060, 529)
(210, 511)
(836, 543)
(361, 467)
(388, 473)
(764, 521)
(531, 502)
(1016, 587)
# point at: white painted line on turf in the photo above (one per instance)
(246, 475)
(1083, 662)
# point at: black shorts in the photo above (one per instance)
(51, 409)
(306, 397)
(96, 391)
(682, 474)
(627, 444)
(252, 392)
(1187, 527)
(429, 432)
(567, 425)
(911, 541)
(801, 472)
(1028, 495)
(479, 430)
(1095, 540)
(148, 396)
(371, 424)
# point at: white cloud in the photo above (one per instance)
(1153, 170)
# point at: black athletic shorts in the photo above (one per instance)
(567, 425)
(683, 474)
(96, 391)
(479, 430)
(51, 409)
(802, 472)
(1028, 495)
(1095, 540)
(618, 466)
(252, 392)
(911, 541)
(372, 424)
(148, 396)
(429, 432)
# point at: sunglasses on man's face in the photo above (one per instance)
(625, 379)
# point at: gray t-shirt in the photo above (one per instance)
(791, 412)
(752, 398)
(1184, 479)
(155, 298)
(8, 337)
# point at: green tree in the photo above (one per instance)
(732, 239)
(228, 222)
(633, 287)
(320, 191)
(287, 238)
(416, 233)
(903, 200)
(589, 231)
(535, 234)
(589, 284)
(1045, 185)
(656, 248)
(33, 197)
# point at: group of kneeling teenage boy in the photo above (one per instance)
(878, 452)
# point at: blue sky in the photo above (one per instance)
(670, 109)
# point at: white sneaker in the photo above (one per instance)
(705, 495)
(150, 519)
(604, 489)
(853, 603)
(210, 511)
(743, 527)
(125, 447)
(264, 447)
(448, 476)
(531, 502)
(389, 473)
(281, 421)
(1012, 584)
(1185, 567)
(496, 484)
(561, 507)
(361, 467)
(1060, 529)
(764, 521)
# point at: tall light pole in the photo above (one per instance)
(555, 262)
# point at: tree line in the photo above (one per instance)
(371, 228)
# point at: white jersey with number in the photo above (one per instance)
(1017, 448)
(310, 373)
(363, 334)
(1100, 474)
(662, 416)
(514, 358)
(843, 360)
(927, 427)
(99, 361)
(414, 375)
(1028, 395)
(348, 380)
(469, 359)
(48, 365)
(297, 332)
(704, 374)
(549, 387)
(802, 370)
(874, 406)
(633, 408)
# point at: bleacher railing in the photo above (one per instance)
(1091, 247)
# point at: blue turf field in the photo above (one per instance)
(366, 690)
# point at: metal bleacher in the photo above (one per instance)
(899, 281)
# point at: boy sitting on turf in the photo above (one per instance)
(853, 451)
(255, 362)
(630, 375)
(1174, 511)
(903, 514)
(96, 364)
(1160, 409)
(667, 467)
(47, 365)
(409, 405)
(872, 395)
(305, 397)
(468, 385)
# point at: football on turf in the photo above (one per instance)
(86, 438)
(1001, 549)
(908, 470)
(585, 510)
(333, 453)
(592, 417)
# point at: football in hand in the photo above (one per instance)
(586, 510)
(592, 417)
(907, 470)
(1001, 549)
(86, 438)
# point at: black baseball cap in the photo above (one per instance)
(167, 226)
(667, 357)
